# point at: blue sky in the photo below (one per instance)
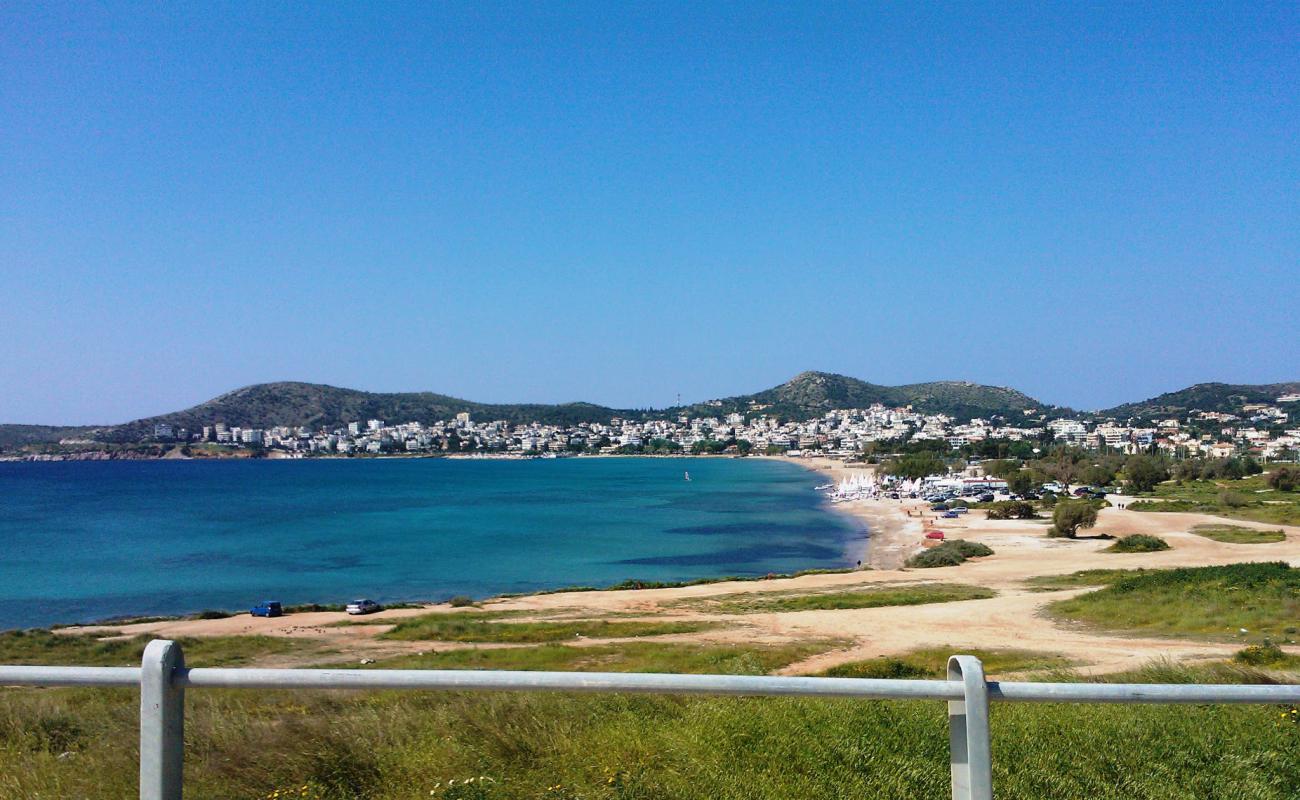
(560, 201)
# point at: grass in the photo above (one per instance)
(633, 584)
(867, 597)
(1138, 543)
(407, 745)
(1236, 534)
(676, 657)
(1248, 498)
(932, 662)
(481, 628)
(55, 649)
(1203, 602)
(1082, 578)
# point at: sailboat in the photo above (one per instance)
(688, 476)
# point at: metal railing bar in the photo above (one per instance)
(69, 676)
(657, 683)
(653, 683)
(1141, 693)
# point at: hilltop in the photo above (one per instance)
(811, 394)
(1225, 398)
(314, 405)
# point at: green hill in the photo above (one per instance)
(313, 405)
(1227, 398)
(812, 394)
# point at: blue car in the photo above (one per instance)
(267, 608)
(951, 515)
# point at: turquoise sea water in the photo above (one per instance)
(84, 541)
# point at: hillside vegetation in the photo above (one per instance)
(1222, 397)
(812, 394)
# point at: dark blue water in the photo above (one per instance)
(84, 541)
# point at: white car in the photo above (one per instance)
(363, 607)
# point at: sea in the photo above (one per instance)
(89, 541)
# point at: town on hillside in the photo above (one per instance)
(1267, 431)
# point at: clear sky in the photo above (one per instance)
(622, 203)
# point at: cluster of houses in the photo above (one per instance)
(1259, 429)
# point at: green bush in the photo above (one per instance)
(949, 554)
(935, 557)
(1258, 655)
(461, 601)
(1138, 543)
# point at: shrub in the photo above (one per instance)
(1284, 479)
(970, 549)
(935, 557)
(461, 601)
(1138, 543)
(1071, 515)
(1233, 499)
(949, 554)
(1258, 655)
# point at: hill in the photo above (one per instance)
(313, 405)
(19, 435)
(811, 394)
(1227, 398)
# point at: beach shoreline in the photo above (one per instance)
(892, 534)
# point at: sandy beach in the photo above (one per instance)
(1014, 618)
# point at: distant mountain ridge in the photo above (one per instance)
(809, 394)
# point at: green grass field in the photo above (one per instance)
(864, 597)
(623, 657)
(81, 743)
(1082, 578)
(55, 649)
(1248, 498)
(1236, 534)
(932, 662)
(468, 627)
(1203, 602)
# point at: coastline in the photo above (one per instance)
(891, 537)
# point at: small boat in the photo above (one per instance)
(688, 476)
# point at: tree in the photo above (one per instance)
(1000, 468)
(1284, 479)
(916, 465)
(1097, 475)
(1071, 515)
(1144, 472)
(1024, 481)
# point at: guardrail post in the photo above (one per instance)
(162, 721)
(968, 732)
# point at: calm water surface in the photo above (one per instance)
(82, 541)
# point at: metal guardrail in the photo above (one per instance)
(163, 678)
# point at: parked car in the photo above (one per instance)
(986, 498)
(267, 608)
(960, 510)
(364, 606)
(950, 515)
(939, 507)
